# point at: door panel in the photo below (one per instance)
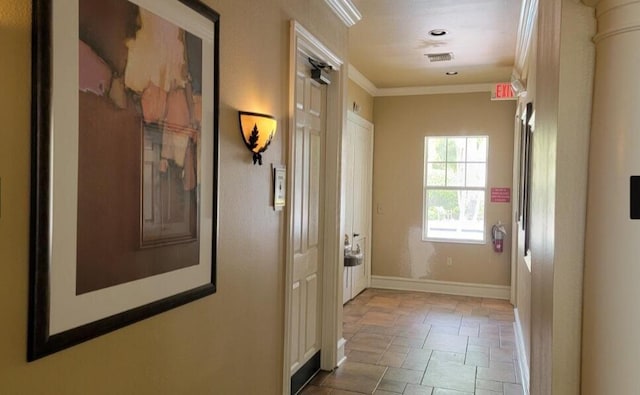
(295, 329)
(314, 188)
(307, 216)
(346, 285)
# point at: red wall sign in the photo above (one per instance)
(500, 195)
(503, 91)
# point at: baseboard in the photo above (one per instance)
(442, 287)
(341, 356)
(522, 354)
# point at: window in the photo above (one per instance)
(455, 180)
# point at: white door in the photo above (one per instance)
(358, 160)
(306, 286)
(347, 185)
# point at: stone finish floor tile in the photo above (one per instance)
(513, 389)
(487, 392)
(450, 375)
(355, 376)
(448, 356)
(392, 386)
(341, 392)
(477, 358)
(503, 354)
(404, 375)
(447, 342)
(415, 365)
(498, 371)
(364, 356)
(416, 389)
(315, 390)
(419, 343)
(495, 386)
(392, 359)
(444, 391)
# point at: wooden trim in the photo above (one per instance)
(435, 90)
(524, 39)
(305, 42)
(345, 10)
(522, 354)
(442, 287)
(356, 76)
(341, 357)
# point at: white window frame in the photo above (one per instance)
(426, 188)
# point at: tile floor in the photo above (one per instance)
(416, 343)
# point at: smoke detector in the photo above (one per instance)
(438, 32)
(440, 57)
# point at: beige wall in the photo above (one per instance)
(401, 124)
(560, 145)
(356, 94)
(610, 344)
(214, 344)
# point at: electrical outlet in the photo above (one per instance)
(449, 261)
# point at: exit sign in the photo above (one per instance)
(502, 91)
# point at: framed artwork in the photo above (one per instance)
(524, 197)
(124, 164)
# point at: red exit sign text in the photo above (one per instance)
(503, 91)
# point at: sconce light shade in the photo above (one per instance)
(257, 132)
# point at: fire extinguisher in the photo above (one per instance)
(498, 232)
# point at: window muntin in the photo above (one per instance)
(455, 179)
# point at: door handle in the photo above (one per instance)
(356, 234)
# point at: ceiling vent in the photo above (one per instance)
(440, 57)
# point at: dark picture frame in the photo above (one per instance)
(526, 152)
(92, 272)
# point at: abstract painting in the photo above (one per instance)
(125, 216)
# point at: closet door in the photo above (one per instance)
(362, 137)
(358, 162)
(347, 176)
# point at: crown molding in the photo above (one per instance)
(524, 40)
(314, 46)
(616, 17)
(435, 90)
(346, 11)
(356, 76)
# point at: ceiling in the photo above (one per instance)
(389, 44)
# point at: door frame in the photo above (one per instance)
(332, 343)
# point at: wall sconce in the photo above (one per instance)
(257, 132)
